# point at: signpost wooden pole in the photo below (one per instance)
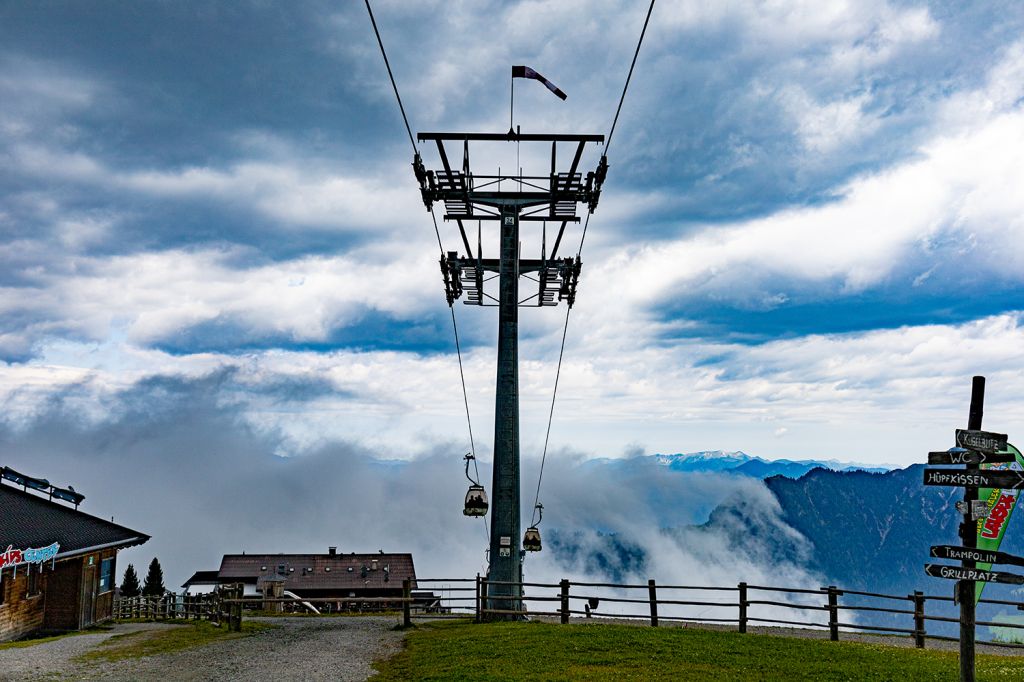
(969, 535)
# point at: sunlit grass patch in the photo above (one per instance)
(518, 651)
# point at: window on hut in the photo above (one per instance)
(107, 575)
(33, 580)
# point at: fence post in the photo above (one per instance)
(241, 605)
(476, 601)
(919, 631)
(406, 604)
(564, 594)
(483, 598)
(743, 607)
(653, 592)
(833, 613)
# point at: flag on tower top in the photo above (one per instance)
(527, 72)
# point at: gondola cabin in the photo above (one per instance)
(476, 501)
(531, 539)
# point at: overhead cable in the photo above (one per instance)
(628, 77)
(391, 76)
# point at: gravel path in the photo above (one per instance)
(334, 648)
(51, 659)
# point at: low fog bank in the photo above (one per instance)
(174, 458)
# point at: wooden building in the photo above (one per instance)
(330, 575)
(57, 564)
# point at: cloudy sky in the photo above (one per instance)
(808, 242)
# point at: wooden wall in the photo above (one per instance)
(63, 594)
(21, 613)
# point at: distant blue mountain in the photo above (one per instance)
(857, 529)
(741, 463)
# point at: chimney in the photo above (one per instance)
(332, 551)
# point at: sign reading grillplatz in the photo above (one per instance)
(958, 573)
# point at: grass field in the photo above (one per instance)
(165, 640)
(541, 651)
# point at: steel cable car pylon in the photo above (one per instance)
(514, 201)
(557, 279)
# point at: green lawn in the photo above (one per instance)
(541, 651)
(185, 635)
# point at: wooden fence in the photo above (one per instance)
(221, 607)
(742, 605)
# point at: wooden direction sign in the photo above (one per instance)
(958, 573)
(965, 456)
(988, 478)
(982, 556)
(982, 441)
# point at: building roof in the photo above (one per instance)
(321, 571)
(201, 578)
(29, 520)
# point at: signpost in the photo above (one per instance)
(965, 456)
(973, 448)
(972, 574)
(972, 479)
(981, 556)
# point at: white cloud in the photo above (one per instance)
(910, 385)
(287, 192)
(963, 187)
(154, 296)
(823, 128)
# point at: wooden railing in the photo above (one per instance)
(742, 605)
(221, 607)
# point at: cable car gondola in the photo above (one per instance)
(531, 538)
(476, 498)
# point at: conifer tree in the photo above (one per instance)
(154, 585)
(130, 583)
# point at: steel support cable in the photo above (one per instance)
(551, 414)
(440, 246)
(583, 237)
(629, 76)
(465, 395)
(462, 377)
(554, 392)
(391, 76)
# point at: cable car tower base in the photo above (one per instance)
(551, 198)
